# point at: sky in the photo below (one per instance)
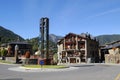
(96, 17)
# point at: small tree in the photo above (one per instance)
(3, 53)
(55, 58)
(0, 52)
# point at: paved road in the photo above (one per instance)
(84, 72)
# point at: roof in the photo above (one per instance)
(116, 45)
(107, 47)
(112, 46)
(72, 34)
(114, 42)
(3, 45)
(18, 43)
(82, 35)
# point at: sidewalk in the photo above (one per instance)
(24, 69)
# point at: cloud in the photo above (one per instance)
(104, 13)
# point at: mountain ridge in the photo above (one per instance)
(104, 39)
(8, 35)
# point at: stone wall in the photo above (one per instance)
(11, 59)
(112, 58)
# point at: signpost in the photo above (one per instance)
(41, 63)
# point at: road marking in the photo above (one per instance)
(118, 77)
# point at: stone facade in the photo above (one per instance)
(74, 48)
(110, 53)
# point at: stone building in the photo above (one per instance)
(110, 53)
(22, 47)
(14, 55)
(74, 48)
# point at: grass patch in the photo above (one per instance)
(3, 61)
(45, 66)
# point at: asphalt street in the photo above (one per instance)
(82, 72)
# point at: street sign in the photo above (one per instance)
(41, 62)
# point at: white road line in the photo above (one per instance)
(118, 77)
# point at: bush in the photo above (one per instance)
(0, 53)
(3, 52)
(55, 58)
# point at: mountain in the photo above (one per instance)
(52, 41)
(54, 38)
(104, 39)
(7, 36)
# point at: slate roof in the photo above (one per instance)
(112, 46)
(18, 43)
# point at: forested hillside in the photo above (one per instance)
(35, 43)
(8, 36)
(103, 39)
